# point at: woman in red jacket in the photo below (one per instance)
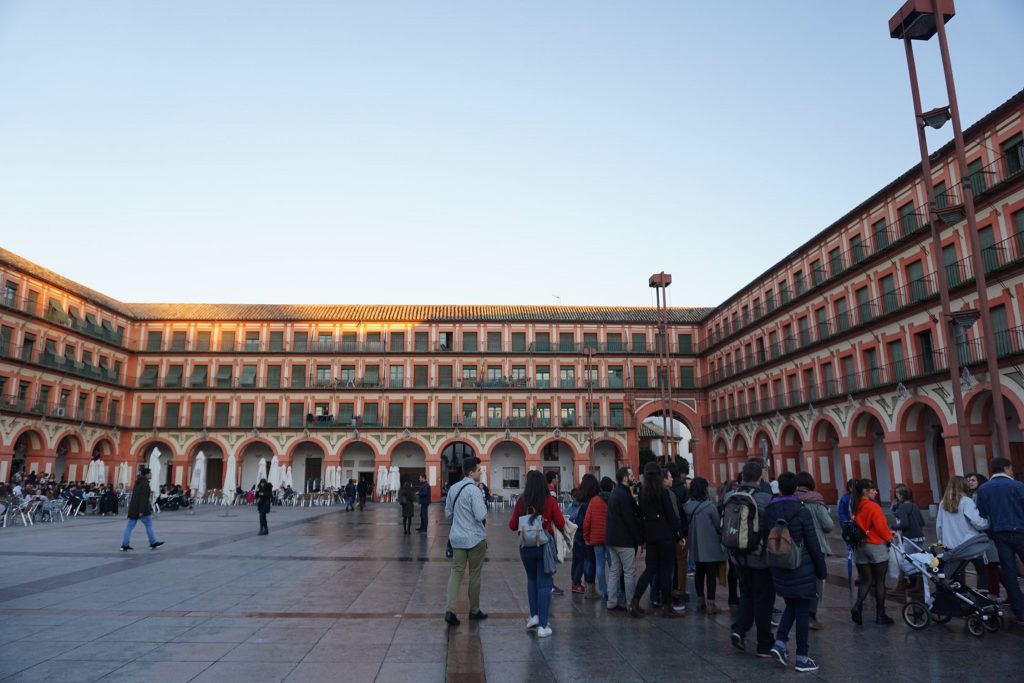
(593, 531)
(536, 501)
(872, 555)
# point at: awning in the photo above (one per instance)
(107, 326)
(173, 377)
(248, 375)
(57, 313)
(224, 374)
(91, 318)
(51, 347)
(198, 376)
(149, 373)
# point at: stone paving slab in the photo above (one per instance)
(333, 595)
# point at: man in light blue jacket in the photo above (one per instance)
(467, 511)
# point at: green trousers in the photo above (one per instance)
(475, 556)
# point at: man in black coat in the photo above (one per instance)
(623, 534)
(424, 496)
(140, 508)
(757, 592)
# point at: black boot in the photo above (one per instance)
(856, 613)
(884, 619)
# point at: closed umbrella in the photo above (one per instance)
(124, 474)
(230, 482)
(198, 484)
(275, 475)
(332, 478)
(286, 478)
(102, 475)
(90, 472)
(154, 464)
(394, 479)
(261, 470)
(483, 474)
(382, 480)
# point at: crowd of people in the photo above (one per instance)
(79, 497)
(767, 541)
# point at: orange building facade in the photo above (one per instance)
(833, 360)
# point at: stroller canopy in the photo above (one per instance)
(968, 550)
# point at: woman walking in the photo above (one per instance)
(705, 543)
(536, 502)
(910, 523)
(872, 555)
(815, 504)
(594, 532)
(264, 497)
(661, 532)
(407, 500)
(583, 556)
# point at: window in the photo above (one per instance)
(955, 271)
(616, 415)
(686, 377)
(881, 235)
(173, 376)
(567, 377)
(32, 305)
(324, 342)
(927, 351)
(248, 380)
(295, 415)
(784, 292)
(197, 415)
(271, 414)
(510, 478)
(420, 376)
(615, 377)
(849, 375)
(252, 341)
(871, 362)
(614, 340)
(146, 415)
(828, 375)
(300, 340)
(976, 177)
(518, 417)
(468, 375)
(148, 378)
(639, 342)
(835, 262)
(323, 375)
(246, 415)
(543, 376)
(469, 342)
(899, 369)
(568, 417)
(198, 378)
(864, 312)
(817, 273)
(277, 341)
(298, 376)
(469, 414)
(543, 415)
(396, 376)
(227, 341)
(494, 415)
(373, 342)
(805, 331)
(640, 376)
(10, 294)
(444, 414)
(397, 341)
(1001, 331)
(154, 340)
(494, 375)
(446, 341)
(348, 375)
(346, 413)
(349, 344)
(566, 342)
(941, 195)
(444, 376)
(890, 300)
(371, 376)
(1013, 153)
(989, 253)
(685, 343)
(842, 314)
(273, 376)
(590, 340)
(172, 415)
(908, 219)
(494, 342)
(221, 414)
(918, 284)
(224, 376)
(370, 414)
(203, 341)
(798, 282)
(395, 415)
(421, 341)
(419, 414)
(822, 322)
(857, 248)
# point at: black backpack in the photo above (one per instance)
(852, 533)
(741, 523)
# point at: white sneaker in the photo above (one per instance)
(544, 632)
(532, 622)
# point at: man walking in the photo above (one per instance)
(350, 495)
(1001, 501)
(757, 592)
(424, 496)
(622, 536)
(140, 507)
(466, 509)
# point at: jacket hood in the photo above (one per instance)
(604, 495)
(808, 496)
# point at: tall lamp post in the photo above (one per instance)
(920, 20)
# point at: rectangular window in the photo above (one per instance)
(370, 414)
(371, 376)
(976, 177)
(566, 342)
(273, 376)
(154, 340)
(395, 415)
(10, 294)
(469, 342)
(252, 341)
(519, 417)
(809, 386)
(221, 414)
(469, 414)
(149, 376)
(373, 342)
(543, 376)
(829, 380)
(543, 415)
(614, 340)
(494, 415)
(616, 416)
(420, 376)
(227, 340)
(989, 252)
(277, 341)
(899, 370)
(298, 376)
(1005, 341)
(224, 376)
(590, 341)
(871, 363)
(346, 413)
(246, 415)
(32, 305)
(567, 377)
(146, 415)
(174, 375)
(197, 415)
(881, 235)
(296, 418)
(1013, 154)
(640, 376)
(198, 378)
(324, 342)
(419, 414)
(798, 282)
(686, 377)
(842, 314)
(639, 342)
(172, 415)
(864, 311)
(178, 342)
(323, 376)
(835, 262)
(916, 280)
(908, 219)
(857, 248)
(421, 341)
(956, 273)
(568, 415)
(348, 375)
(510, 478)
(817, 273)
(444, 376)
(849, 375)
(271, 415)
(397, 341)
(444, 415)
(890, 300)
(616, 379)
(203, 340)
(805, 331)
(494, 342)
(824, 331)
(349, 343)
(248, 380)
(769, 300)
(446, 341)
(942, 199)
(494, 375)
(396, 376)
(685, 343)
(784, 292)
(300, 342)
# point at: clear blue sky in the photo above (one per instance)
(456, 152)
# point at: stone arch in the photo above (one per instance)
(926, 462)
(678, 410)
(167, 455)
(608, 457)
(216, 462)
(721, 447)
(980, 414)
(507, 455)
(105, 447)
(859, 425)
(820, 429)
(289, 454)
(358, 459)
(36, 440)
(307, 458)
(410, 457)
(30, 452)
(910, 415)
(739, 445)
(69, 456)
(558, 454)
(452, 454)
(791, 445)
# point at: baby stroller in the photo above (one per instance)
(950, 596)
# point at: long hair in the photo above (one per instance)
(955, 490)
(699, 488)
(860, 487)
(588, 488)
(535, 494)
(653, 484)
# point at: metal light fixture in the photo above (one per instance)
(950, 215)
(936, 118)
(965, 318)
(916, 19)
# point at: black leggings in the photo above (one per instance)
(706, 579)
(872, 576)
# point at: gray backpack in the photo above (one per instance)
(781, 551)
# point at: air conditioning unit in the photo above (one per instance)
(59, 412)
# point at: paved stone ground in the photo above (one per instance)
(342, 596)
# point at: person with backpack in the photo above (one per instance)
(584, 560)
(794, 556)
(594, 524)
(537, 518)
(871, 554)
(743, 513)
(661, 531)
(823, 524)
(623, 534)
(466, 510)
(705, 542)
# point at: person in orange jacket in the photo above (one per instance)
(871, 555)
(593, 532)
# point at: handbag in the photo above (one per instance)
(449, 552)
(550, 562)
(895, 571)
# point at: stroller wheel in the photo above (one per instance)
(975, 626)
(941, 618)
(994, 623)
(916, 615)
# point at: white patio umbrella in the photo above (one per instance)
(394, 479)
(154, 464)
(261, 470)
(483, 474)
(333, 475)
(230, 481)
(102, 472)
(198, 484)
(382, 480)
(288, 477)
(125, 474)
(90, 472)
(275, 474)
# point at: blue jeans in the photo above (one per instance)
(584, 563)
(798, 610)
(147, 521)
(538, 584)
(1010, 546)
(423, 517)
(602, 559)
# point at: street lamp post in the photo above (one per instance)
(920, 20)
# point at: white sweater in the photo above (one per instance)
(953, 528)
